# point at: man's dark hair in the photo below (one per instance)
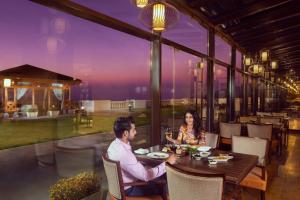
(122, 124)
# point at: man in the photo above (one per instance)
(132, 170)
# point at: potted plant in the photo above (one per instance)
(32, 112)
(84, 186)
(53, 112)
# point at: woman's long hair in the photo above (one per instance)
(196, 122)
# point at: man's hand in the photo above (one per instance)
(172, 159)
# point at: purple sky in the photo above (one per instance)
(115, 65)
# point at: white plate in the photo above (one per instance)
(205, 153)
(220, 158)
(141, 151)
(204, 148)
(158, 155)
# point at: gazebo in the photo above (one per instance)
(27, 86)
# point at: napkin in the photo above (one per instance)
(141, 151)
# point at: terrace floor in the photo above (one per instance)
(23, 178)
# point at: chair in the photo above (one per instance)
(115, 182)
(227, 130)
(264, 131)
(189, 185)
(260, 131)
(212, 140)
(271, 120)
(257, 178)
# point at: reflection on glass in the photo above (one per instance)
(220, 93)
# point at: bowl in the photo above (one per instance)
(204, 148)
(204, 153)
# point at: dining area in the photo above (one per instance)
(224, 165)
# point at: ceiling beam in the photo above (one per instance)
(266, 31)
(286, 11)
(248, 10)
(286, 52)
(290, 22)
(203, 3)
(258, 45)
(290, 47)
(273, 34)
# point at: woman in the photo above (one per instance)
(189, 131)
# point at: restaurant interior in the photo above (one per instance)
(234, 63)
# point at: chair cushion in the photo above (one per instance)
(254, 179)
(226, 140)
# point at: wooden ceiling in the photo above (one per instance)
(257, 25)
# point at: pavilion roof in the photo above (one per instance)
(31, 72)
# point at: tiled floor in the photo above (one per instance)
(284, 174)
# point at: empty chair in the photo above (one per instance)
(212, 140)
(271, 120)
(187, 185)
(257, 178)
(264, 131)
(260, 131)
(227, 130)
(115, 182)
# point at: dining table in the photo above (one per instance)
(235, 169)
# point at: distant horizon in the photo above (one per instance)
(114, 64)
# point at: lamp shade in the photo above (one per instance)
(247, 61)
(274, 65)
(264, 55)
(255, 69)
(7, 82)
(141, 3)
(159, 16)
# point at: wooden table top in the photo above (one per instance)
(235, 169)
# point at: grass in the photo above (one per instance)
(14, 133)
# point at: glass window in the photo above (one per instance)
(107, 75)
(220, 91)
(238, 59)
(182, 82)
(250, 92)
(119, 9)
(222, 50)
(238, 83)
(189, 33)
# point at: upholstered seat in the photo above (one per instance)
(212, 140)
(227, 130)
(115, 182)
(187, 185)
(264, 131)
(257, 178)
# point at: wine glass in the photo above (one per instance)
(168, 133)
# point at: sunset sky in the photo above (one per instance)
(103, 58)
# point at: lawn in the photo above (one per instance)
(15, 133)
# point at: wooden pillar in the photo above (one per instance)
(49, 98)
(155, 81)
(69, 93)
(230, 86)
(5, 97)
(33, 97)
(15, 95)
(210, 81)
